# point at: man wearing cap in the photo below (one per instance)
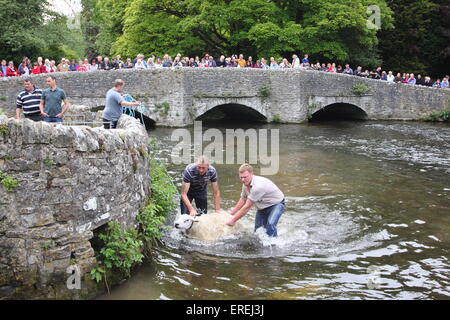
(265, 195)
(194, 187)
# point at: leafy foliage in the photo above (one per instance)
(360, 89)
(8, 182)
(442, 116)
(327, 29)
(30, 29)
(419, 43)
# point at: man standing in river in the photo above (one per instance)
(194, 187)
(265, 195)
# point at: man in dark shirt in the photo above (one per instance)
(194, 187)
(28, 101)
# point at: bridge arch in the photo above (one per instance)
(231, 111)
(339, 111)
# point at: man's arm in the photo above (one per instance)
(41, 107)
(66, 106)
(241, 212)
(130, 104)
(239, 205)
(216, 195)
(18, 107)
(184, 190)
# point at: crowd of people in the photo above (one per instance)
(25, 68)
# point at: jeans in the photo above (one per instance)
(53, 119)
(201, 202)
(268, 218)
(108, 124)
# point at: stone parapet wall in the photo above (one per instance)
(71, 180)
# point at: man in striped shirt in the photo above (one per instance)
(195, 184)
(28, 101)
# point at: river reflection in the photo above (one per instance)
(368, 217)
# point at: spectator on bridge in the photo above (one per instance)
(3, 68)
(305, 60)
(249, 63)
(41, 65)
(99, 62)
(94, 65)
(36, 68)
(257, 65)
(24, 68)
(106, 64)
(63, 66)
(166, 63)
(139, 64)
(28, 101)
(444, 83)
(405, 78)
(264, 64)
(51, 102)
(211, 62)
(73, 65)
(273, 63)
(128, 64)
(285, 64)
(151, 63)
(390, 77)
(427, 82)
(339, 69)
(241, 61)
(11, 70)
(114, 103)
(81, 66)
(411, 79)
(398, 78)
(348, 70)
(437, 83)
(221, 63)
(419, 80)
(331, 67)
(47, 66)
(295, 62)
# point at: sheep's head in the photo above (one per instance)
(184, 222)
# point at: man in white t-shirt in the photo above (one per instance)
(265, 195)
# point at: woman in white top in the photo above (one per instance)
(390, 77)
(139, 64)
(295, 62)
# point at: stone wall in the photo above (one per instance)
(176, 97)
(71, 181)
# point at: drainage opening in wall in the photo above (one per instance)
(96, 243)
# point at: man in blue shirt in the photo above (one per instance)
(114, 103)
(194, 187)
(51, 102)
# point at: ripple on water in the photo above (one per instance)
(310, 229)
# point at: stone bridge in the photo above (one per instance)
(177, 97)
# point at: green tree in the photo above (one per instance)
(29, 28)
(420, 42)
(327, 29)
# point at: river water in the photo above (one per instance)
(368, 217)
